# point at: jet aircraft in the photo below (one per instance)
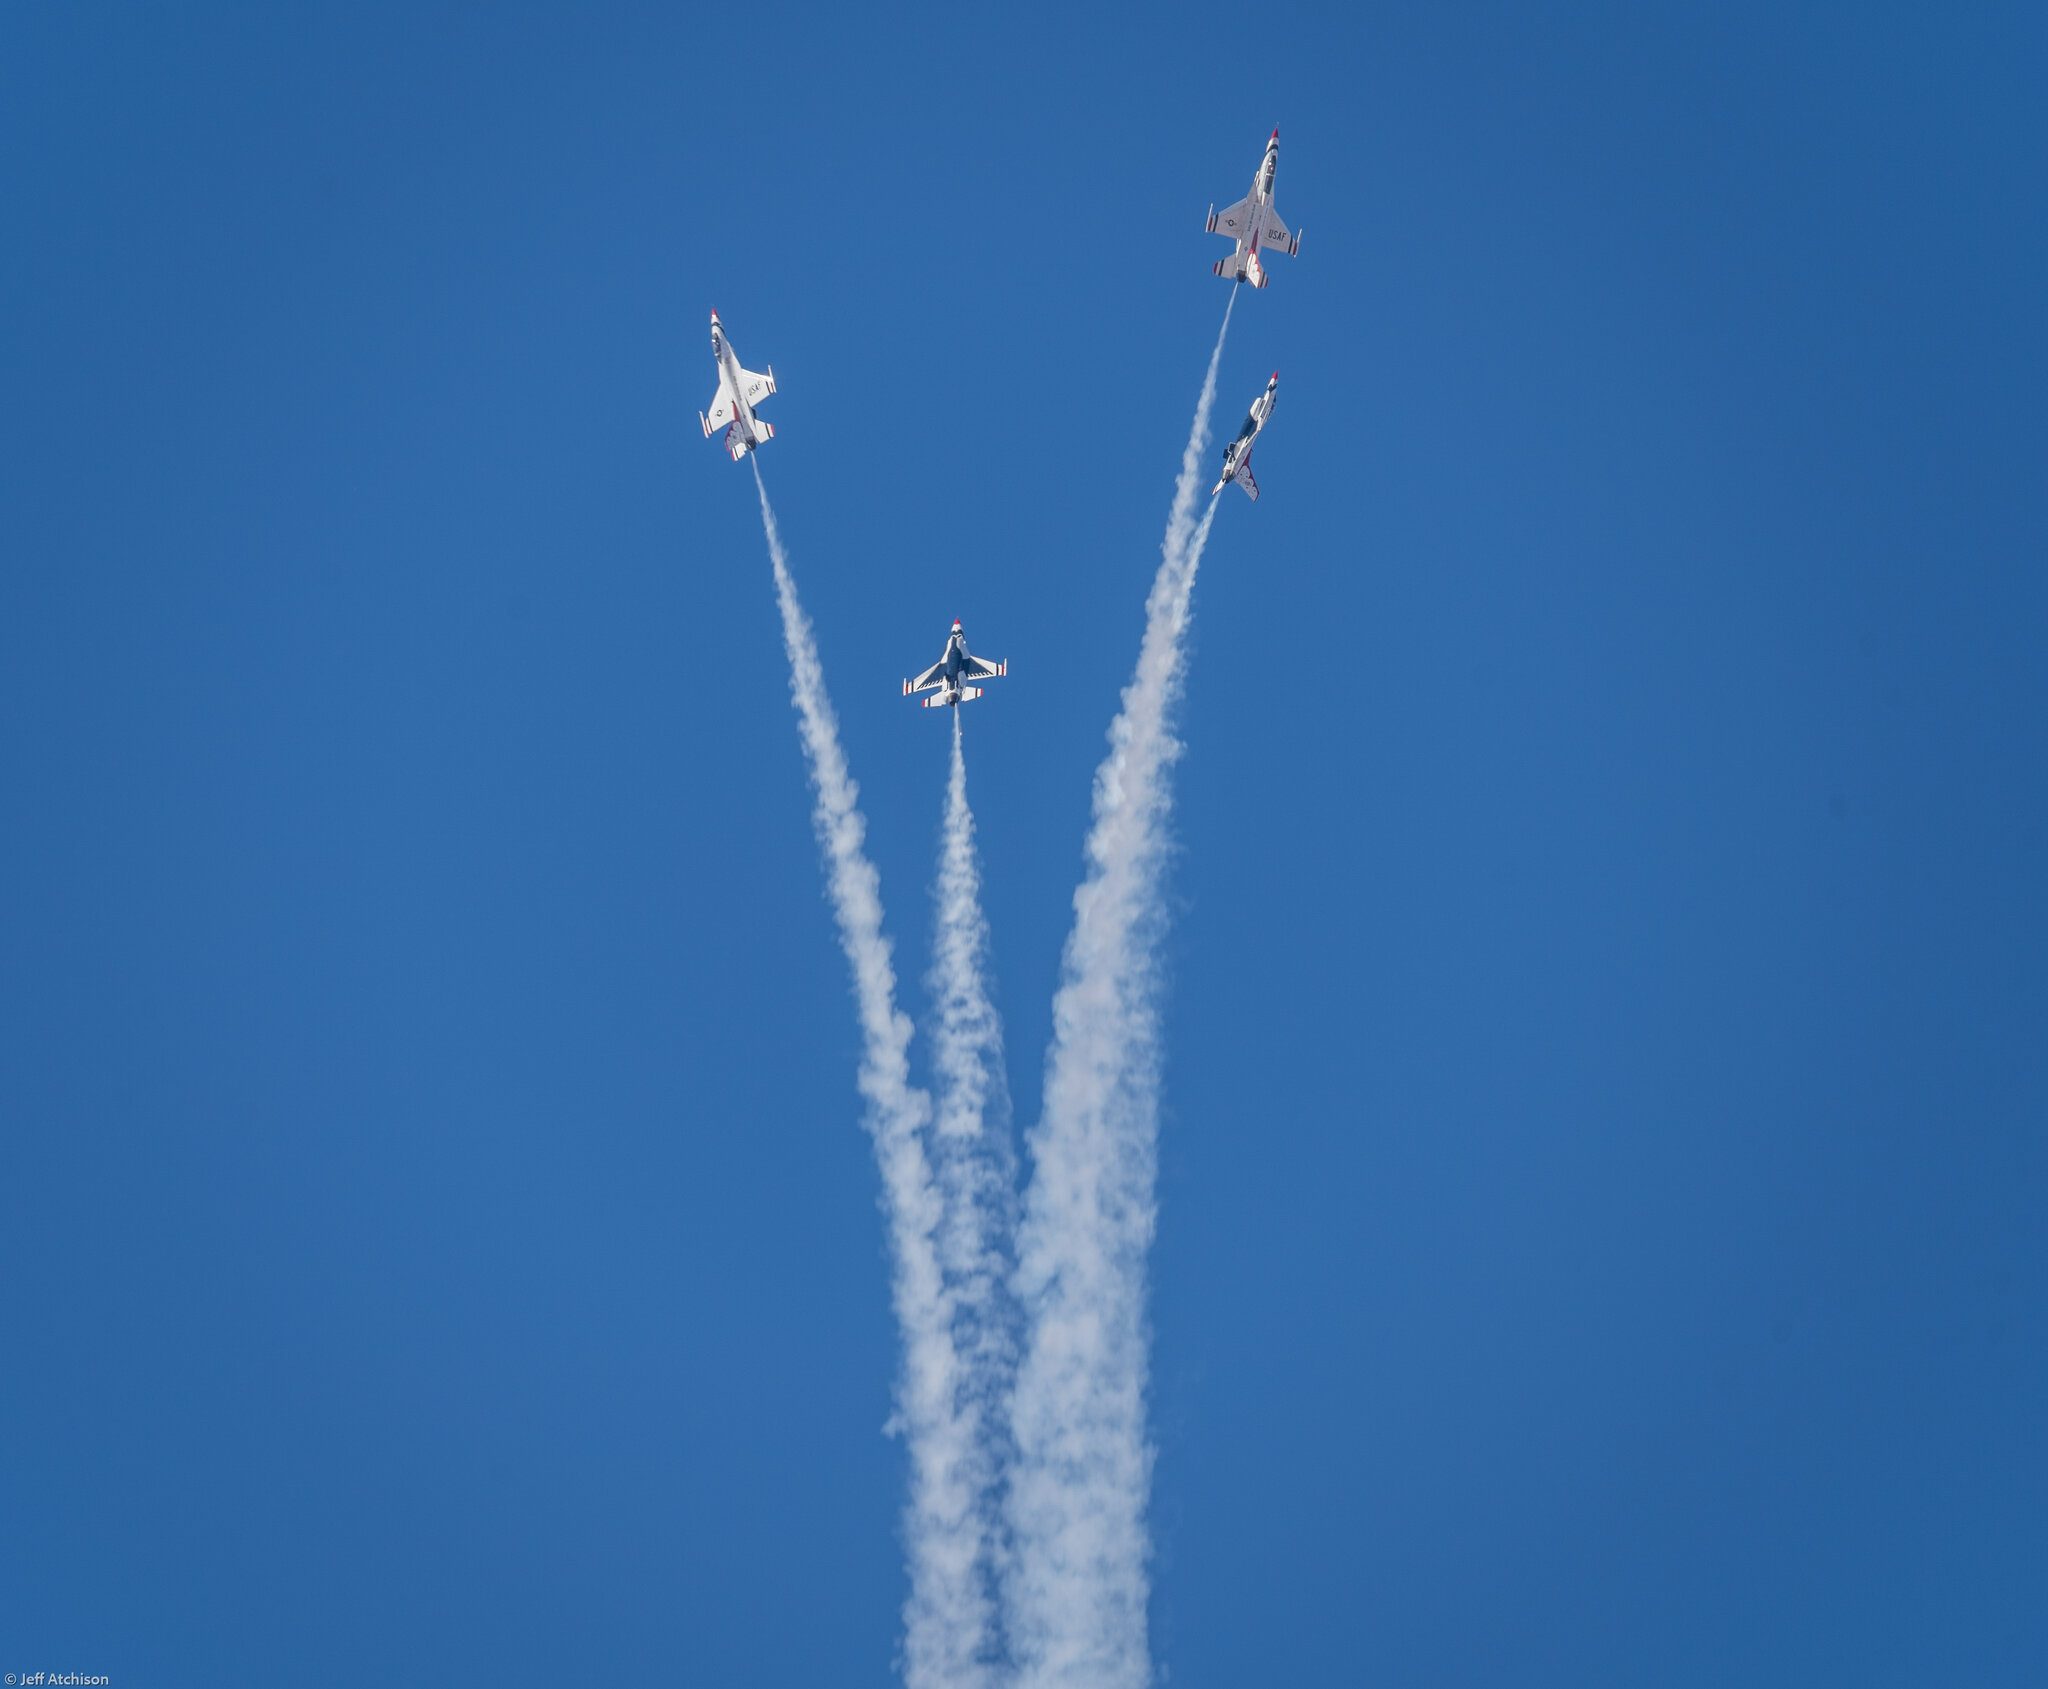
(947, 678)
(739, 391)
(1237, 456)
(1254, 224)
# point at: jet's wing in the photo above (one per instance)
(721, 412)
(754, 388)
(974, 668)
(931, 677)
(1234, 220)
(1274, 236)
(1244, 478)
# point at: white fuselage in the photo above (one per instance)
(1261, 198)
(729, 382)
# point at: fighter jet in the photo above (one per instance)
(1237, 456)
(739, 391)
(1254, 224)
(947, 678)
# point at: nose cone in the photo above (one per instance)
(1276, 136)
(956, 624)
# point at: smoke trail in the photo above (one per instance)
(948, 1619)
(1075, 1593)
(977, 1166)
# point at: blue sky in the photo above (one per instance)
(1603, 1169)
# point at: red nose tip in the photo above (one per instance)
(1276, 134)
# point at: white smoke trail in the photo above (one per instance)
(949, 1617)
(1076, 1590)
(976, 1163)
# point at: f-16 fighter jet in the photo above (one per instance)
(739, 391)
(1237, 456)
(947, 678)
(1254, 224)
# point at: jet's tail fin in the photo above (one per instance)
(1254, 271)
(1244, 479)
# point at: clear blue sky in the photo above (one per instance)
(1604, 1172)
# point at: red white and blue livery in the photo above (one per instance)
(1237, 456)
(947, 679)
(739, 391)
(1254, 224)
